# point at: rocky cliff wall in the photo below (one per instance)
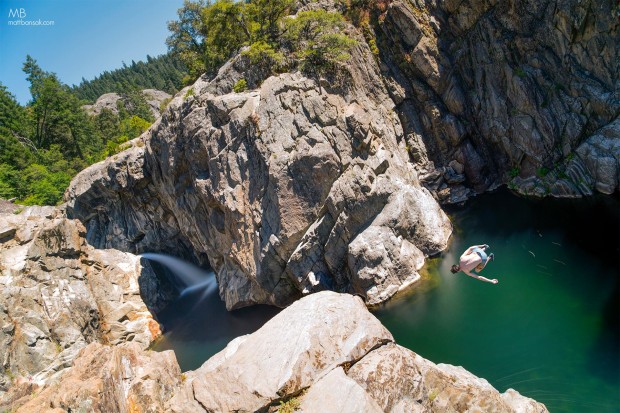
(301, 184)
(292, 187)
(519, 92)
(58, 294)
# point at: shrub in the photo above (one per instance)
(289, 406)
(240, 86)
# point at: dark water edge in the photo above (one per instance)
(197, 326)
(550, 329)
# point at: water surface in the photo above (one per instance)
(550, 328)
(196, 324)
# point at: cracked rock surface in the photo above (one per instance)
(506, 91)
(58, 294)
(285, 189)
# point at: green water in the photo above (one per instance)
(550, 328)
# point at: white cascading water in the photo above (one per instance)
(193, 277)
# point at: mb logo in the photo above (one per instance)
(17, 13)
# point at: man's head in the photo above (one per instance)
(455, 268)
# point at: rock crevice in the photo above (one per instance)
(279, 188)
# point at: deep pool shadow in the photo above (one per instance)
(197, 316)
(605, 354)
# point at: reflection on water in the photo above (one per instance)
(550, 328)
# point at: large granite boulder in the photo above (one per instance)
(285, 189)
(110, 102)
(402, 381)
(58, 295)
(298, 346)
(327, 353)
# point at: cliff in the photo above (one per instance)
(519, 92)
(59, 294)
(292, 187)
(304, 184)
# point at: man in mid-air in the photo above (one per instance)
(474, 258)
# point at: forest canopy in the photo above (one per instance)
(165, 73)
(44, 144)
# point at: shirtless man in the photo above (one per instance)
(474, 258)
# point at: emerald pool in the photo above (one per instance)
(550, 328)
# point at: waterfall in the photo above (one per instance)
(191, 276)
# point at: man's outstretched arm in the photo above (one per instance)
(480, 277)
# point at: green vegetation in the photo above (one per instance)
(316, 41)
(542, 171)
(208, 34)
(190, 92)
(47, 142)
(164, 104)
(240, 86)
(289, 406)
(514, 172)
(164, 73)
(520, 72)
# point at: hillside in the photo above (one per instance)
(163, 73)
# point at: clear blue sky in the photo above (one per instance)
(88, 37)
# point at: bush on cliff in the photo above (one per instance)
(208, 34)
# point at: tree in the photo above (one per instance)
(267, 15)
(205, 40)
(226, 28)
(187, 38)
(315, 38)
(165, 72)
(46, 143)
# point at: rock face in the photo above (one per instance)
(58, 295)
(106, 101)
(123, 378)
(110, 101)
(287, 189)
(324, 353)
(506, 91)
(327, 351)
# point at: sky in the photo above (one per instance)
(86, 37)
